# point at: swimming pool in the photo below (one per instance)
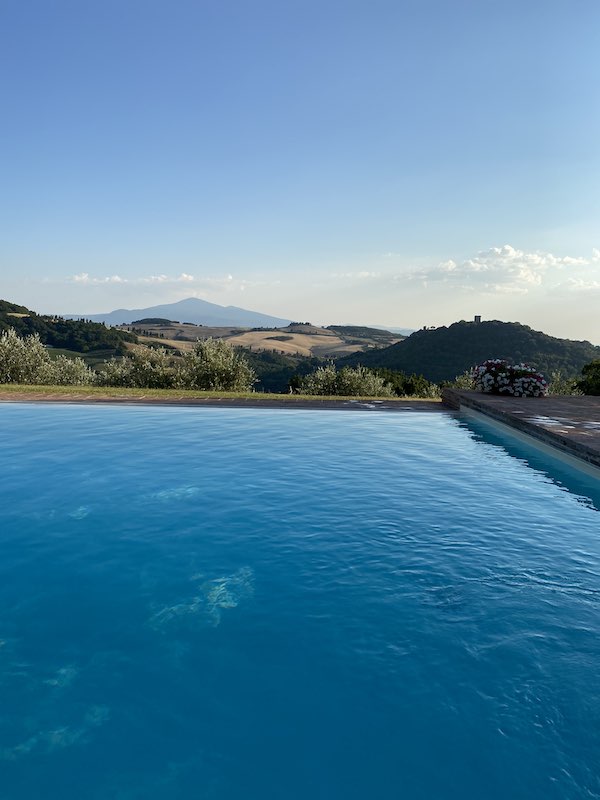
(221, 603)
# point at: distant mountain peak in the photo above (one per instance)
(194, 309)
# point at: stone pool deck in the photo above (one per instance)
(571, 424)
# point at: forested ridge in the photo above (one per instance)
(78, 335)
(440, 354)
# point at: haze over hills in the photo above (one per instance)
(200, 312)
(440, 354)
(393, 329)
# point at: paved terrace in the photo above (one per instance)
(571, 424)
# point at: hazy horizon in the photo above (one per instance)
(336, 161)
(406, 330)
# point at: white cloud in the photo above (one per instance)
(506, 270)
(85, 278)
(361, 275)
(182, 285)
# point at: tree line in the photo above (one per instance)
(212, 364)
(79, 335)
(215, 365)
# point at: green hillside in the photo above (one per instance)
(442, 353)
(274, 370)
(77, 335)
(360, 334)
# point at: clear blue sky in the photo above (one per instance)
(386, 161)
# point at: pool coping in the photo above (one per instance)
(568, 424)
(289, 402)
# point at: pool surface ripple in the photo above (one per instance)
(229, 604)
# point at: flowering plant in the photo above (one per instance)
(496, 376)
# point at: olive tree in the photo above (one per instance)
(464, 382)
(214, 364)
(322, 381)
(590, 382)
(70, 372)
(351, 382)
(23, 360)
(144, 368)
(561, 385)
(27, 360)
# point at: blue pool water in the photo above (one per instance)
(220, 604)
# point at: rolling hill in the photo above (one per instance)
(440, 354)
(199, 312)
(297, 339)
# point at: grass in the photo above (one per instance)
(180, 394)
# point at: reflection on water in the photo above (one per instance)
(583, 483)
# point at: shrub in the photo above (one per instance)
(357, 382)
(23, 360)
(26, 360)
(70, 372)
(496, 376)
(145, 368)
(464, 382)
(215, 365)
(563, 386)
(404, 385)
(322, 381)
(590, 383)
